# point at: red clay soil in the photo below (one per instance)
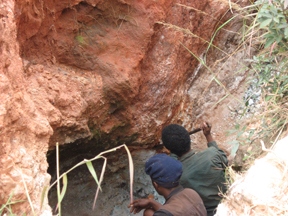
(106, 71)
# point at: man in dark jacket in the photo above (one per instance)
(203, 171)
(165, 173)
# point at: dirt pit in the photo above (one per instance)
(81, 189)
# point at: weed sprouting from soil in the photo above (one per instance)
(268, 34)
(7, 206)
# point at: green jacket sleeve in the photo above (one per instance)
(222, 158)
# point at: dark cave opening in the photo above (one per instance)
(81, 187)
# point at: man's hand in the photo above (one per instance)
(206, 128)
(139, 204)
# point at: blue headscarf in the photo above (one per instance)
(164, 170)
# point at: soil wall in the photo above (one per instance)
(104, 73)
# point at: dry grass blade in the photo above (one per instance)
(255, 24)
(231, 4)
(43, 196)
(83, 162)
(188, 32)
(92, 170)
(58, 182)
(65, 182)
(131, 171)
(275, 141)
(220, 100)
(26, 190)
(228, 21)
(199, 11)
(214, 76)
(100, 181)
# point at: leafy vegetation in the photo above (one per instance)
(269, 73)
(265, 28)
(272, 17)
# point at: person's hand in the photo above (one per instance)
(206, 128)
(138, 205)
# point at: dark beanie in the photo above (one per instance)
(164, 170)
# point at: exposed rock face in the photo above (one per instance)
(130, 73)
(104, 72)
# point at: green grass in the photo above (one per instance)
(6, 208)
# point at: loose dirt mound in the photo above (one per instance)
(263, 190)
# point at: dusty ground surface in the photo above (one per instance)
(102, 73)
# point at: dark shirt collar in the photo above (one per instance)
(175, 191)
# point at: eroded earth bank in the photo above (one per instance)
(92, 75)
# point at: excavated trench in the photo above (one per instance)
(115, 196)
(109, 67)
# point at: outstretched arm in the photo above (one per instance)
(140, 204)
(206, 128)
(207, 133)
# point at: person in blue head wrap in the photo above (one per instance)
(165, 173)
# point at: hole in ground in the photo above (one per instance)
(115, 195)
